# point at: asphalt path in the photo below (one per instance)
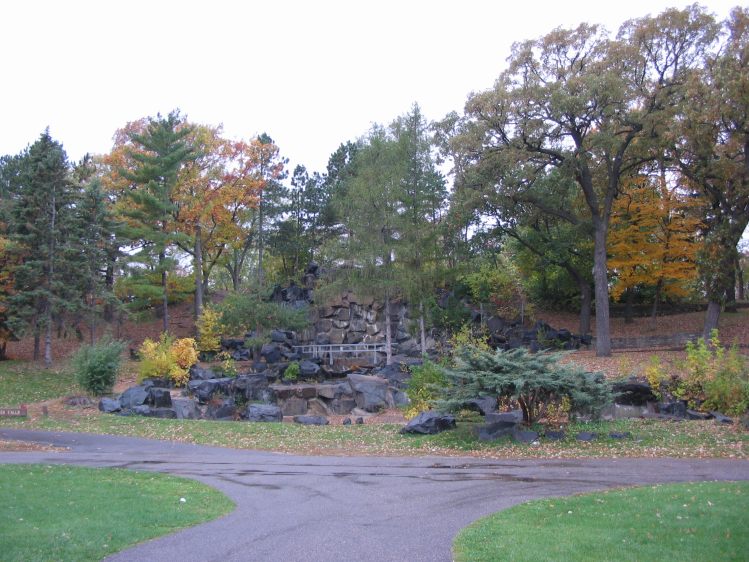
(305, 508)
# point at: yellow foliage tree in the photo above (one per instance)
(653, 239)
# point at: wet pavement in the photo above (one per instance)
(303, 508)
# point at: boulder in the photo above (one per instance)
(694, 415)
(322, 339)
(429, 423)
(555, 435)
(400, 398)
(109, 405)
(337, 336)
(198, 373)
(495, 430)
(371, 393)
(311, 420)
(676, 408)
(79, 401)
(618, 435)
(633, 393)
(342, 405)
(396, 374)
(308, 369)
(141, 410)
(586, 436)
(164, 413)
(525, 436)
(159, 397)
(251, 387)
(317, 407)
(346, 421)
(294, 406)
(263, 413)
(185, 408)
(721, 418)
(270, 352)
(225, 409)
(354, 337)
(277, 336)
(485, 405)
(515, 416)
(204, 390)
(232, 343)
(133, 396)
(359, 421)
(161, 382)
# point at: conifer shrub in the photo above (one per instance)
(96, 365)
(535, 381)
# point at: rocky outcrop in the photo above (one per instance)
(429, 423)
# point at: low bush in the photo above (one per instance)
(96, 365)
(209, 331)
(292, 372)
(535, 381)
(167, 358)
(426, 385)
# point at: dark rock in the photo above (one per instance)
(721, 418)
(484, 406)
(232, 343)
(555, 435)
(399, 398)
(241, 354)
(294, 406)
(163, 413)
(308, 369)
(263, 413)
(251, 387)
(371, 393)
(198, 373)
(633, 393)
(185, 408)
(160, 382)
(524, 436)
(225, 409)
(205, 390)
(322, 339)
(586, 339)
(495, 324)
(270, 352)
(359, 421)
(141, 410)
(586, 436)
(515, 416)
(694, 415)
(133, 396)
(429, 423)
(311, 420)
(620, 435)
(396, 374)
(342, 405)
(109, 405)
(346, 421)
(677, 408)
(495, 430)
(159, 398)
(277, 336)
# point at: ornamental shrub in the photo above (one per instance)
(426, 385)
(167, 358)
(292, 372)
(96, 365)
(535, 381)
(209, 331)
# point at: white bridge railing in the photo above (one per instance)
(332, 349)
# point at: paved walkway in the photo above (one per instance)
(295, 508)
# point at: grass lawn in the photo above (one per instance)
(22, 382)
(73, 513)
(650, 438)
(697, 521)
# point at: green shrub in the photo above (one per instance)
(96, 365)
(535, 381)
(167, 358)
(243, 312)
(209, 331)
(292, 372)
(426, 385)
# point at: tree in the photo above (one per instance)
(711, 149)
(653, 239)
(40, 220)
(156, 157)
(592, 108)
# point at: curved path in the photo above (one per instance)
(296, 508)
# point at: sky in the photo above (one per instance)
(312, 74)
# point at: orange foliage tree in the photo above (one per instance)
(653, 239)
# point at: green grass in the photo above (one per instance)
(22, 382)
(78, 514)
(651, 438)
(697, 521)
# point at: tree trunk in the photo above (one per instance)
(260, 245)
(711, 318)
(585, 306)
(740, 282)
(731, 291)
(48, 341)
(198, 267)
(629, 302)
(165, 303)
(422, 329)
(656, 299)
(109, 284)
(37, 340)
(600, 278)
(388, 334)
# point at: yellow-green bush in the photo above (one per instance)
(209, 331)
(167, 357)
(425, 386)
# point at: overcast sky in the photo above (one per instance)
(312, 74)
